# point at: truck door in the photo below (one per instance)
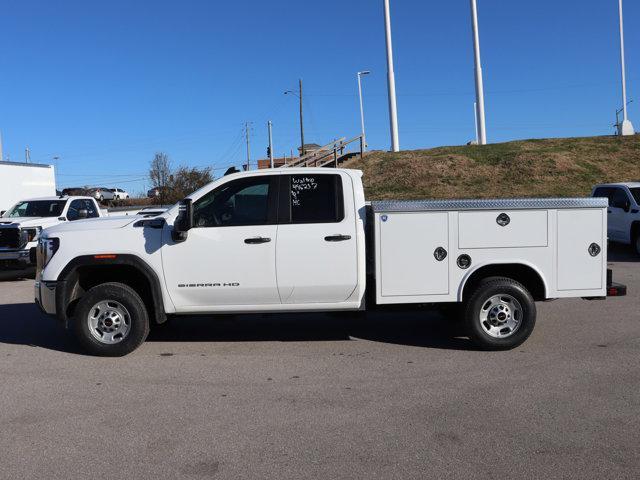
(228, 257)
(316, 249)
(618, 215)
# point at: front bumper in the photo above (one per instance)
(45, 296)
(16, 259)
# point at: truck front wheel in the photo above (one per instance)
(111, 320)
(499, 314)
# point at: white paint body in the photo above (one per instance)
(24, 180)
(553, 242)
(299, 270)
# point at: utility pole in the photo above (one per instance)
(269, 126)
(391, 81)
(626, 128)
(27, 154)
(246, 131)
(302, 152)
(482, 128)
(299, 95)
(364, 140)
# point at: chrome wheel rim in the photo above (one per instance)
(109, 322)
(501, 316)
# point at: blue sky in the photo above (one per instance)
(104, 85)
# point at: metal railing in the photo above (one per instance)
(330, 154)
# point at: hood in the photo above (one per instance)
(104, 223)
(24, 222)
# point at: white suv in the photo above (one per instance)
(119, 194)
(623, 212)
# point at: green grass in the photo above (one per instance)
(528, 168)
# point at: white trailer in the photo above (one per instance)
(25, 180)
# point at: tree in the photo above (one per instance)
(160, 173)
(186, 180)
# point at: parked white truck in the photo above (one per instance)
(302, 240)
(623, 211)
(22, 224)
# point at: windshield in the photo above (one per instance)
(37, 208)
(636, 194)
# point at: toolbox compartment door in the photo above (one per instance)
(502, 229)
(408, 266)
(578, 269)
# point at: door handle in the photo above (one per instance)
(608, 211)
(337, 238)
(256, 240)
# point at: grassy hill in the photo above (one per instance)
(529, 168)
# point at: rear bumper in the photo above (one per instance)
(614, 289)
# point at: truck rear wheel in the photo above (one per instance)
(500, 314)
(111, 320)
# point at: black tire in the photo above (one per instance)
(138, 318)
(635, 243)
(479, 300)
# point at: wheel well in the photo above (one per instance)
(524, 274)
(88, 276)
(635, 230)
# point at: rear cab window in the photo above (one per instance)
(311, 198)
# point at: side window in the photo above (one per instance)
(90, 206)
(242, 202)
(74, 208)
(316, 198)
(619, 199)
(602, 192)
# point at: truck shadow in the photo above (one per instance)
(24, 324)
(412, 328)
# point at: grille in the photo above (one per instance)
(9, 237)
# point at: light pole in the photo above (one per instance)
(55, 169)
(391, 81)
(482, 128)
(299, 95)
(269, 126)
(364, 138)
(626, 128)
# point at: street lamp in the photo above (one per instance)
(55, 169)
(299, 95)
(626, 128)
(364, 138)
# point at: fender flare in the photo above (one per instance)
(67, 282)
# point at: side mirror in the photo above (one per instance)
(2, 212)
(184, 220)
(83, 213)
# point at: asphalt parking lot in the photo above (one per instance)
(394, 395)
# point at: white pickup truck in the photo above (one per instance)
(20, 226)
(304, 239)
(623, 212)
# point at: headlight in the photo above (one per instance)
(47, 248)
(32, 234)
